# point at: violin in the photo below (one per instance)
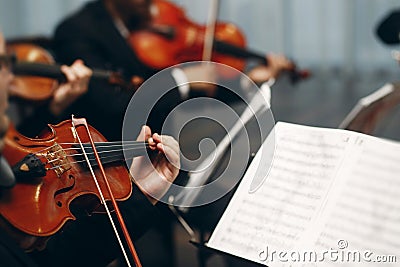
(29, 87)
(172, 38)
(37, 74)
(53, 173)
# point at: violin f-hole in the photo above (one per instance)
(69, 185)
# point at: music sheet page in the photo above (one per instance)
(290, 202)
(362, 220)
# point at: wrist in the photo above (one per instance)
(56, 108)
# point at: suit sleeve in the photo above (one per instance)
(71, 43)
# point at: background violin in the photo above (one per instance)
(172, 38)
(37, 74)
(31, 87)
(52, 176)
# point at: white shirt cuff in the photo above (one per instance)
(266, 90)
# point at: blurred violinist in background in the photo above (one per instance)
(388, 28)
(388, 31)
(99, 34)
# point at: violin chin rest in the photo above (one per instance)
(29, 167)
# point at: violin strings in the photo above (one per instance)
(116, 143)
(45, 149)
(115, 150)
(112, 142)
(80, 161)
(101, 152)
(74, 162)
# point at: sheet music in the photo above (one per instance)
(291, 199)
(365, 211)
(326, 188)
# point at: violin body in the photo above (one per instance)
(37, 75)
(172, 39)
(28, 86)
(40, 206)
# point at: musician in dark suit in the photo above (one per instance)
(98, 34)
(92, 34)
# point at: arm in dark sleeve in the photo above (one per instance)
(71, 44)
(388, 29)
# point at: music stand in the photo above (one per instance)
(257, 106)
(364, 118)
(371, 109)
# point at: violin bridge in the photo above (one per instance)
(58, 159)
